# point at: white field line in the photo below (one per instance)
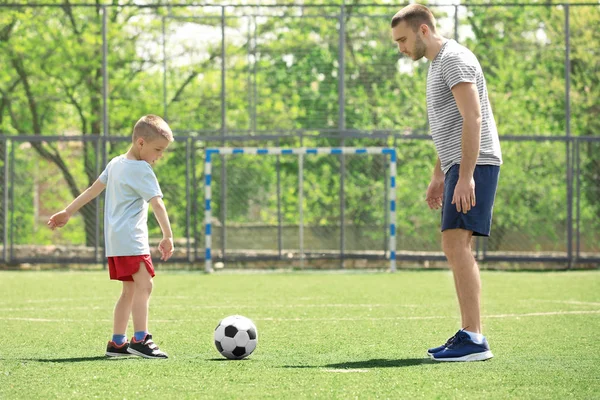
(345, 371)
(524, 315)
(158, 298)
(574, 302)
(543, 314)
(63, 300)
(324, 305)
(223, 306)
(83, 308)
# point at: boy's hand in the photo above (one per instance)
(166, 248)
(58, 220)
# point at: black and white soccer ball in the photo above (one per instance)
(236, 337)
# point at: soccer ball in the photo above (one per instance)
(236, 337)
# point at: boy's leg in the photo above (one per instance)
(141, 298)
(144, 347)
(118, 346)
(123, 309)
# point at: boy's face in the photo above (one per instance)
(152, 150)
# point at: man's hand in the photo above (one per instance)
(58, 220)
(464, 195)
(166, 248)
(435, 193)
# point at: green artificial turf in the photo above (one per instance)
(320, 335)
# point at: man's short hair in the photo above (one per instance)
(415, 15)
(150, 127)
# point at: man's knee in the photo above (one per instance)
(455, 242)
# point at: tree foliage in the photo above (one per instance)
(282, 75)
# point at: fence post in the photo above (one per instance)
(577, 162)
(456, 23)
(5, 201)
(104, 76)
(11, 170)
(164, 62)
(195, 185)
(568, 143)
(300, 207)
(223, 133)
(342, 126)
(279, 212)
(188, 200)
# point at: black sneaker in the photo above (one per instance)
(145, 348)
(117, 350)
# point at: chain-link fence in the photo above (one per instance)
(289, 76)
(256, 213)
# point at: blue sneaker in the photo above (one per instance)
(434, 350)
(463, 348)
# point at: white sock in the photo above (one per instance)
(475, 337)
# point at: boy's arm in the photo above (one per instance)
(61, 218)
(165, 246)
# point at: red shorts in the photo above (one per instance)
(122, 268)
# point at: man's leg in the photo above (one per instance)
(456, 244)
(468, 344)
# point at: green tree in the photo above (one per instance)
(522, 51)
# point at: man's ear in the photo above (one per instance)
(424, 29)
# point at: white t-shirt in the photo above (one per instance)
(452, 65)
(130, 185)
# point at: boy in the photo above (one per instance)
(130, 185)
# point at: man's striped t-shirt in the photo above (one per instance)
(455, 64)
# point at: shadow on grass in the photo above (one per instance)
(72, 359)
(373, 363)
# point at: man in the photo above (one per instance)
(465, 176)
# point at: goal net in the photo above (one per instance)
(299, 205)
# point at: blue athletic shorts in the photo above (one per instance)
(479, 218)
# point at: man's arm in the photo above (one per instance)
(61, 218)
(435, 190)
(438, 174)
(467, 101)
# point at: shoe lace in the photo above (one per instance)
(453, 339)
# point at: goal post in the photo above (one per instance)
(300, 152)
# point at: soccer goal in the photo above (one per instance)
(301, 153)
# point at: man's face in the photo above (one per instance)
(409, 42)
(152, 151)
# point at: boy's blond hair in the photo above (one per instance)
(150, 127)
